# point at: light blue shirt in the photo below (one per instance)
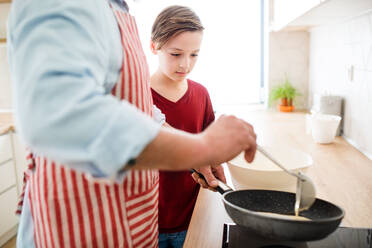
(65, 57)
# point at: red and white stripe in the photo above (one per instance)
(66, 216)
(70, 209)
(30, 166)
(139, 94)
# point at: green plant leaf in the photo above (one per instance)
(283, 90)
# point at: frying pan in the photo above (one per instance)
(244, 207)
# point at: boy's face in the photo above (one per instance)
(178, 56)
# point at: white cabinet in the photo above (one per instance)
(8, 188)
(7, 167)
(285, 11)
(7, 176)
(9, 221)
(303, 14)
(5, 148)
(19, 157)
(12, 166)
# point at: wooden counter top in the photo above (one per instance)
(6, 123)
(341, 174)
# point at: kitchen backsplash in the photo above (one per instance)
(335, 51)
(5, 87)
(289, 55)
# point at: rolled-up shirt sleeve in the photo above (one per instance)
(159, 117)
(58, 60)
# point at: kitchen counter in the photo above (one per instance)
(342, 175)
(6, 122)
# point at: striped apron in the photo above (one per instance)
(70, 209)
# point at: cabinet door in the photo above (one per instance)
(8, 204)
(7, 176)
(5, 148)
(20, 160)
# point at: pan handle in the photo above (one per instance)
(221, 188)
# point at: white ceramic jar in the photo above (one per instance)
(324, 127)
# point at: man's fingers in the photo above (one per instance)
(250, 151)
(219, 173)
(203, 183)
(198, 180)
(195, 176)
(249, 154)
(209, 177)
(212, 189)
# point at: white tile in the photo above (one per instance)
(357, 55)
(360, 30)
(370, 23)
(5, 87)
(332, 51)
(368, 57)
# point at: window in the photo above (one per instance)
(229, 63)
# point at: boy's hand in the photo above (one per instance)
(210, 174)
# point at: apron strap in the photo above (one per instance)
(26, 175)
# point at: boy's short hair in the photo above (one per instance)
(172, 21)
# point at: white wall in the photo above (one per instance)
(333, 49)
(5, 87)
(289, 55)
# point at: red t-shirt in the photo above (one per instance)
(192, 113)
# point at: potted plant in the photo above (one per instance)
(286, 93)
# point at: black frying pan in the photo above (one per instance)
(243, 207)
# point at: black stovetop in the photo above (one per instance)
(235, 236)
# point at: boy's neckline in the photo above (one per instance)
(179, 99)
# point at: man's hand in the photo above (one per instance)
(210, 174)
(227, 137)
